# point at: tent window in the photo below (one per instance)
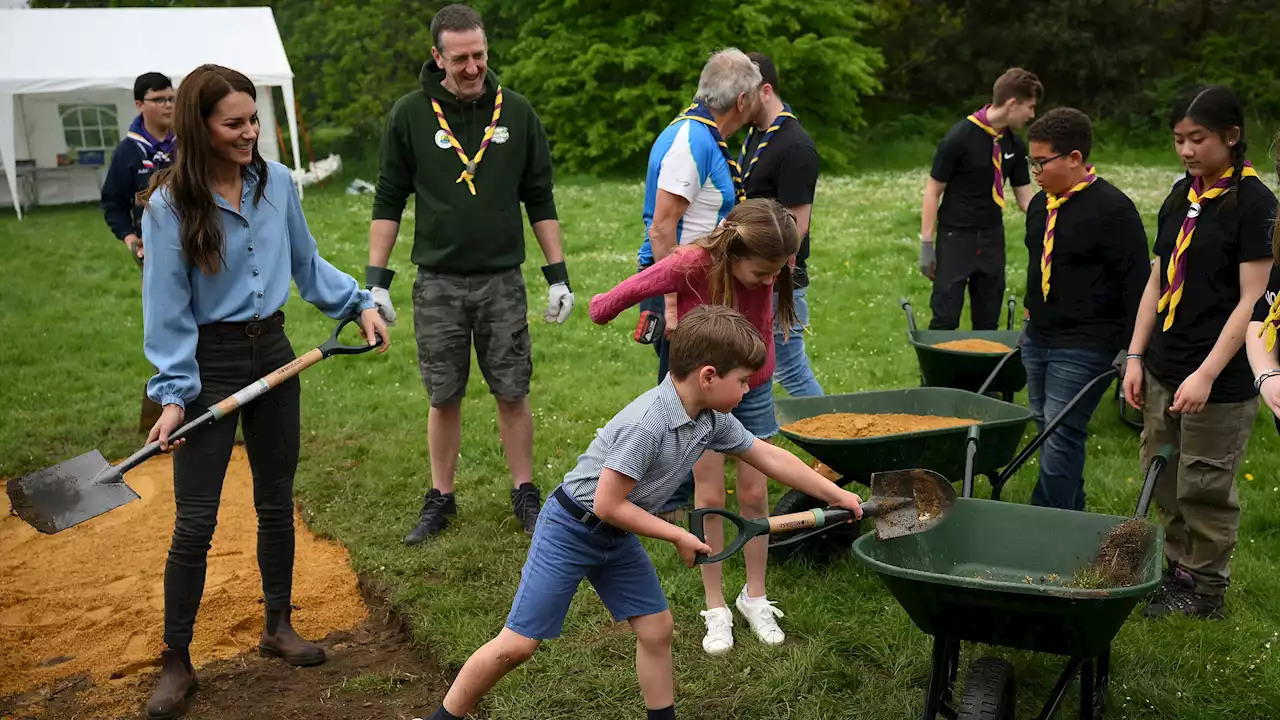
(89, 127)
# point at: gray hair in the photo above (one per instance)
(727, 74)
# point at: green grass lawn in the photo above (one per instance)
(73, 372)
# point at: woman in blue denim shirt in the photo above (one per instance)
(225, 236)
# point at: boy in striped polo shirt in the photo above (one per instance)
(589, 527)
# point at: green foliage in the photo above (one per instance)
(606, 77)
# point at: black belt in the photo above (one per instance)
(253, 328)
(582, 515)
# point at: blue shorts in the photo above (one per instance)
(563, 552)
(755, 412)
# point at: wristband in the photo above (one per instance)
(556, 273)
(1257, 384)
(1134, 356)
(375, 276)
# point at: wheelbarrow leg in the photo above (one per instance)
(1102, 684)
(1068, 676)
(942, 678)
(1086, 690)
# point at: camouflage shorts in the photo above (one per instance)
(448, 310)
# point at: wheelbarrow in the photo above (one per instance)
(943, 451)
(964, 369)
(997, 574)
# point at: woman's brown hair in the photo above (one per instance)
(188, 180)
(757, 228)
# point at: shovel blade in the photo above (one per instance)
(931, 499)
(67, 494)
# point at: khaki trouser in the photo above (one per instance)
(1196, 494)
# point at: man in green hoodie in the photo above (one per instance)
(471, 152)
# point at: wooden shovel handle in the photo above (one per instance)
(252, 391)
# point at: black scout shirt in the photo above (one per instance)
(963, 162)
(787, 172)
(1225, 237)
(1100, 268)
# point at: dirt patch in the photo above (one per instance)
(1119, 559)
(86, 606)
(372, 673)
(849, 426)
(990, 347)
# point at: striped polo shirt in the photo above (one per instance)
(654, 442)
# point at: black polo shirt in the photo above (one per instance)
(963, 162)
(787, 172)
(1100, 268)
(1227, 234)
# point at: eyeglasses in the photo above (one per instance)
(1038, 165)
(160, 100)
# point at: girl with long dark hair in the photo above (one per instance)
(225, 236)
(1187, 367)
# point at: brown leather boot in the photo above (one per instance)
(177, 682)
(280, 640)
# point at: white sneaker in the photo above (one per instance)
(760, 614)
(719, 637)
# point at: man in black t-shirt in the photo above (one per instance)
(779, 161)
(971, 165)
(1087, 265)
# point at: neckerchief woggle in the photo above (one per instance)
(699, 113)
(469, 165)
(979, 118)
(1177, 273)
(1052, 203)
(747, 167)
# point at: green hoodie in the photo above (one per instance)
(457, 232)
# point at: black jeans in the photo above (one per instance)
(974, 258)
(229, 359)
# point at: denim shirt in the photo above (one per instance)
(265, 247)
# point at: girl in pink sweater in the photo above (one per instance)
(739, 264)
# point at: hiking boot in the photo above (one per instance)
(526, 503)
(1179, 601)
(434, 518)
(761, 615)
(719, 637)
(279, 639)
(177, 682)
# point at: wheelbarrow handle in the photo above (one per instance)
(1158, 463)
(1009, 321)
(911, 316)
(999, 366)
(250, 392)
(970, 459)
(750, 529)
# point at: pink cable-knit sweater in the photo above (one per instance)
(684, 273)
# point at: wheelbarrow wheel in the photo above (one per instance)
(990, 692)
(826, 548)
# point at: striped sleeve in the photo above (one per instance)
(730, 436)
(633, 450)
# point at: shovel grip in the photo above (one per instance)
(747, 529)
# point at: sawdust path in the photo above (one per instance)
(90, 599)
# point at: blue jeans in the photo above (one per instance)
(792, 369)
(1054, 376)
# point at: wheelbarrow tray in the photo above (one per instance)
(986, 575)
(965, 370)
(942, 451)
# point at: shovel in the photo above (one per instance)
(903, 502)
(86, 486)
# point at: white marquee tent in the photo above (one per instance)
(66, 84)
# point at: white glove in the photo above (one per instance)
(382, 299)
(559, 303)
